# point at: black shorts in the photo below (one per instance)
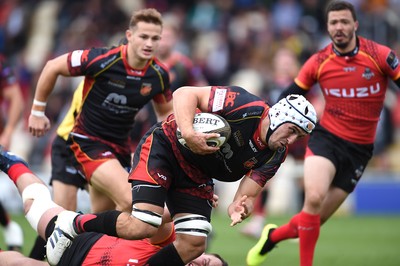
(177, 202)
(157, 177)
(350, 159)
(62, 168)
(90, 153)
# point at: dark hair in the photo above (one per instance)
(149, 15)
(224, 263)
(338, 6)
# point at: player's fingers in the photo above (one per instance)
(212, 135)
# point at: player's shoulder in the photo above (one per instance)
(373, 48)
(321, 55)
(159, 66)
(157, 62)
(99, 56)
(242, 101)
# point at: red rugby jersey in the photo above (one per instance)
(353, 86)
(109, 250)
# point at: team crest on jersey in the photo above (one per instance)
(368, 74)
(249, 164)
(392, 60)
(145, 89)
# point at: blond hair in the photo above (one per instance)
(149, 15)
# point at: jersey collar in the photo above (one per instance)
(351, 53)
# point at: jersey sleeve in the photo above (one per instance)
(166, 94)
(264, 173)
(390, 65)
(226, 100)
(307, 75)
(92, 61)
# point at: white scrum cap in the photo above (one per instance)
(293, 109)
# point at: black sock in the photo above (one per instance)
(50, 227)
(38, 251)
(105, 222)
(167, 256)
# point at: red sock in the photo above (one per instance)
(309, 226)
(17, 170)
(286, 231)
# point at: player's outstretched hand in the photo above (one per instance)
(238, 210)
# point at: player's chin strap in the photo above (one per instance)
(193, 224)
(42, 202)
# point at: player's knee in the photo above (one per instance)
(191, 233)
(192, 246)
(137, 229)
(314, 200)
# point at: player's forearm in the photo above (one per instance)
(47, 80)
(184, 106)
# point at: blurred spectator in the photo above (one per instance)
(12, 103)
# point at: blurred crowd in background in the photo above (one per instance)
(257, 44)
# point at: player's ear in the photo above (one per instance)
(128, 34)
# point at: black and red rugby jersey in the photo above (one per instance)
(114, 92)
(244, 153)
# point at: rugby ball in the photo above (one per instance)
(209, 123)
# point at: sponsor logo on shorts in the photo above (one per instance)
(106, 154)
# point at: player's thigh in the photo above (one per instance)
(318, 175)
(99, 202)
(65, 195)
(190, 246)
(111, 179)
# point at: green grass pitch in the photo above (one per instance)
(344, 241)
